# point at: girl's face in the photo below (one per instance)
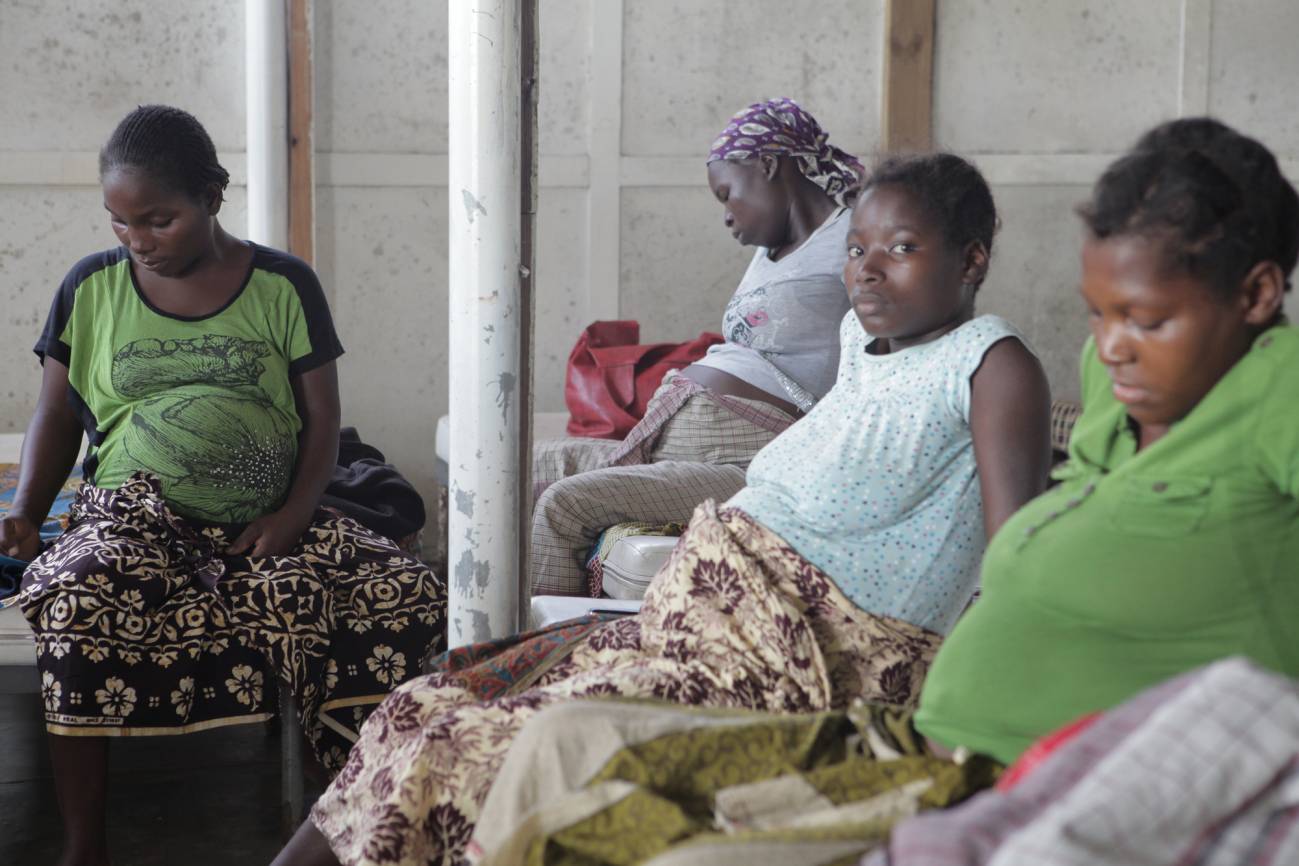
(1165, 337)
(166, 230)
(753, 207)
(905, 282)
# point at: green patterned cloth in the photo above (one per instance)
(645, 783)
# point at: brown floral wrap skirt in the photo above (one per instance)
(736, 618)
(144, 627)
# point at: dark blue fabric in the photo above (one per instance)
(11, 575)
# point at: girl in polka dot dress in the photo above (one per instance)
(937, 427)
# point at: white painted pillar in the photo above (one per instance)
(266, 70)
(487, 319)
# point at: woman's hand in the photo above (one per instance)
(316, 395)
(273, 534)
(49, 450)
(19, 538)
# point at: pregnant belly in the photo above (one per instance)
(733, 386)
(222, 456)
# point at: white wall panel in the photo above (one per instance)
(563, 110)
(382, 256)
(1033, 280)
(1053, 77)
(381, 76)
(680, 264)
(561, 311)
(688, 66)
(1254, 72)
(70, 70)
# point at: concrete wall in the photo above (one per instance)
(1042, 96)
(633, 91)
(63, 86)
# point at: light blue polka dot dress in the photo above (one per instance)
(877, 485)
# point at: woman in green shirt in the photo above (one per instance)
(1170, 541)
(198, 576)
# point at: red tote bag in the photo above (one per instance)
(611, 377)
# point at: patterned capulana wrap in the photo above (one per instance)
(735, 619)
(781, 127)
(144, 626)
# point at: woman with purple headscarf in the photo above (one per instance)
(783, 189)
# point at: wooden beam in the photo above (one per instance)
(302, 183)
(907, 106)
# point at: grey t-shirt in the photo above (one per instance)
(782, 324)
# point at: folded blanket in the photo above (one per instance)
(372, 492)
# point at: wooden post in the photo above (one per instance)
(907, 106)
(302, 183)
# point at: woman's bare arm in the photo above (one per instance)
(49, 452)
(1010, 419)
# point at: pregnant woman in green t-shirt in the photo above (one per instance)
(197, 569)
(1170, 541)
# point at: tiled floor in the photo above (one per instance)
(198, 800)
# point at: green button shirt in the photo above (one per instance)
(1138, 566)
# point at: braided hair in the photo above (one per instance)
(951, 190)
(168, 144)
(1215, 198)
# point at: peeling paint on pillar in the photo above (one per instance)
(480, 626)
(505, 393)
(471, 574)
(465, 502)
(472, 205)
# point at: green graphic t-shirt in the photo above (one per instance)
(203, 403)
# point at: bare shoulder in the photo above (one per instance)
(1009, 367)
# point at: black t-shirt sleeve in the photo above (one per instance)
(325, 346)
(51, 343)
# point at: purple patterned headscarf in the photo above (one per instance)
(781, 127)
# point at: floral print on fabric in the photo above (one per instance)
(735, 619)
(143, 627)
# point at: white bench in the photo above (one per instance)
(549, 609)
